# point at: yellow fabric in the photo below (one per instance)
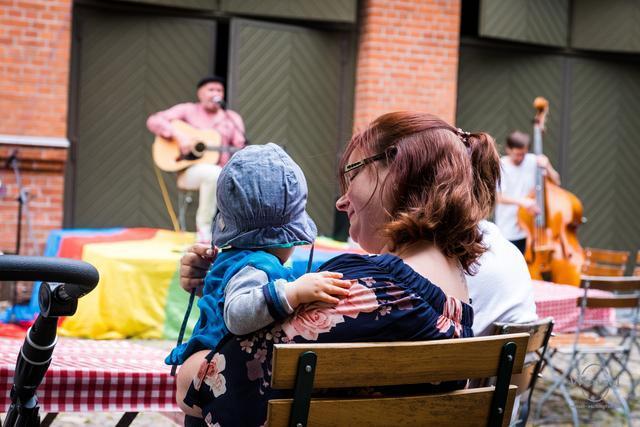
(130, 299)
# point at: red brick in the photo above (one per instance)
(404, 46)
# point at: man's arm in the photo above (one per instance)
(544, 162)
(526, 203)
(160, 122)
(238, 138)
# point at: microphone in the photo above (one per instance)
(218, 100)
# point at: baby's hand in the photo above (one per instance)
(317, 287)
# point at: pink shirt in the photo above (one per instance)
(228, 123)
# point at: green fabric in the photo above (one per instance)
(177, 301)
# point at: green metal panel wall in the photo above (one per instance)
(288, 82)
(604, 152)
(531, 21)
(325, 10)
(496, 92)
(130, 66)
(601, 98)
(606, 25)
(206, 5)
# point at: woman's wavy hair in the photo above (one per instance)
(441, 181)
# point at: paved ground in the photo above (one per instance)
(555, 409)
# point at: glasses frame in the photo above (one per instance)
(361, 163)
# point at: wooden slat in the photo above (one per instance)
(523, 380)
(537, 331)
(610, 302)
(593, 269)
(360, 364)
(458, 408)
(612, 284)
(606, 256)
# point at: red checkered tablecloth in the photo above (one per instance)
(96, 376)
(559, 302)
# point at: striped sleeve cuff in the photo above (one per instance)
(274, 304)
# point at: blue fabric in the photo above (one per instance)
(262, 195)
(389, 302)
(276, 310)
(210, 328)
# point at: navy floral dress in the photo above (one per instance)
(390, 302)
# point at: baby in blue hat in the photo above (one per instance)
(262, 194)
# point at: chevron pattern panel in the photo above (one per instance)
(186, 4)
(606, 25)
(627, 228)
(496, 92)
(604, 152)
(530, 21)
(592, 152)
(287, 83)
(325, 10)
(130, 67)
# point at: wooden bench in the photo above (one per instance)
(305, 367)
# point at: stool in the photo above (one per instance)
(185, 199)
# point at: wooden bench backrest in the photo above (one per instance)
(603, 270)
(539, 334)
(628, 287)
(606, 256)
(397, 363)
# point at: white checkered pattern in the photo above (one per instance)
(560, 302)
(96, 376)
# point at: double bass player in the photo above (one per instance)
(516, 185)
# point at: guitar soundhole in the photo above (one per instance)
(199, 148)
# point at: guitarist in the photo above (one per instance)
(207, 113)
(518, 179)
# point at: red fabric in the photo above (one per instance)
(560, 302)
(71, 247)
(12, 330)
(96, 376)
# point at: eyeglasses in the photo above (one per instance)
(351, 170)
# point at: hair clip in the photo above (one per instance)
(464, 136)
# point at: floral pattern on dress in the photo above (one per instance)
(451, 317)
(310, 320)
(388, 302)
(213, 377)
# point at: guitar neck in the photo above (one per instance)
(224, 149)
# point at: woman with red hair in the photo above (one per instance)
(415, 189)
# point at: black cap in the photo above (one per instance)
(210, 79)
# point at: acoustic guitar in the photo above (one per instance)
(206, 148)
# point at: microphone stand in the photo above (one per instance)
(23, 195)
(223, 106)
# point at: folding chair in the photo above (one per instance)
(596, 379)
(604, 262)
(303, 368)
(539, 334)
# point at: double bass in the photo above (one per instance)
(553, 251)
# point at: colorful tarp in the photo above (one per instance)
(66, 243)
(139, 294)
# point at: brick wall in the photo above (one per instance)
(35, 38)
(407, 58)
